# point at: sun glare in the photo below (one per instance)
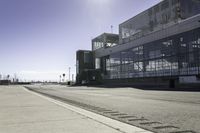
(99, 1)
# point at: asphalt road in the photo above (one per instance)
(180, 109)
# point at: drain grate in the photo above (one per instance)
(141, 119)
(186, 131)
(129, 116)
(165, 127)
(150, 123)
(110, 112)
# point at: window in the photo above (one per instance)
(150, 12)
(87, 57)
(156, 9)
(175, 2)
(178, 54)
(97, 63)
(164, 5)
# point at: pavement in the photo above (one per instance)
(159, 111)
(22, 111)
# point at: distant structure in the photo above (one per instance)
(5, 82)
(160, 46)
(84, 64)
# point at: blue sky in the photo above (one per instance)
(39, 38)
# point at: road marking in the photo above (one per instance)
(123, 127)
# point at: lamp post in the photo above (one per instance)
(69, 73)
(72, 77)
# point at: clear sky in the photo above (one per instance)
(39, 38)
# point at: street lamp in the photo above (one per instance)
(72, 77)
(69, 73)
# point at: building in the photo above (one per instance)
(88, 68)
(84, 63)
(160, 46)
(5, 82)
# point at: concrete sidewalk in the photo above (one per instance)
(22, 112)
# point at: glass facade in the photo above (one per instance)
(105, 40)
(189, 8)
(177, 55)
(164, 14)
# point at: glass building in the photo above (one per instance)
(162, 42)
(177, 55)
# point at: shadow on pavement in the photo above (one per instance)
(148, 88)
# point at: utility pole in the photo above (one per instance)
(72, 77)
(69, 73)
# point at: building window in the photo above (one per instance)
(165, 5)
(174, 2)
(175, 55)
(97, 63)
(87, 57)
(156, 9)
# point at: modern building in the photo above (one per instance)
(160, 46)
(84, 63)
(88, 68)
